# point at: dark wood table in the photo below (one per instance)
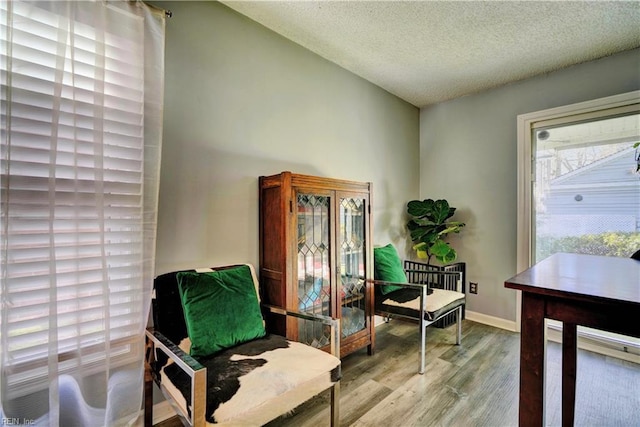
(588, 290)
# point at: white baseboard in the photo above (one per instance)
(476, 317)
(600, 345)
(585, 342)
(378, 320)
(162, 411)
(497, 322)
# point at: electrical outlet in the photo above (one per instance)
(473, 287)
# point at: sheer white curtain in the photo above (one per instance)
(81, 93)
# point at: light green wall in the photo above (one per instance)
(242, 101)
(468, 156)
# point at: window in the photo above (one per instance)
(78, 189)
(586, 192)
(578, 186)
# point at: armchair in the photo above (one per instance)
(211, 357)
(420, 299)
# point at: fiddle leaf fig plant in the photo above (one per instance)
(429, 227)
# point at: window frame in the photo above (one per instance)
(526, 123)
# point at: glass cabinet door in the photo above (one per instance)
(351, 247)
(314, 274)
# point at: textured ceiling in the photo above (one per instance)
(431, 51)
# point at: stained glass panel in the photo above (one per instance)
(314, 284)
(352, 265)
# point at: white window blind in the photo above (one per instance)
(72, 185)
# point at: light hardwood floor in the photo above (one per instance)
(475, 384)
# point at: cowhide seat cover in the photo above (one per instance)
(252, 383)
(406, 302)
(249, 384)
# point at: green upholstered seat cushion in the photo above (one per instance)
(388, 267)
(221, 309)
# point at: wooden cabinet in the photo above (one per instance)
(316, 254)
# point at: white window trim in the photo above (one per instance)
(525, 122)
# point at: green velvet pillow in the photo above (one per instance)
(221, 309)
(388, 267)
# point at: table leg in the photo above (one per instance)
(569, 365)
(532, 357)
